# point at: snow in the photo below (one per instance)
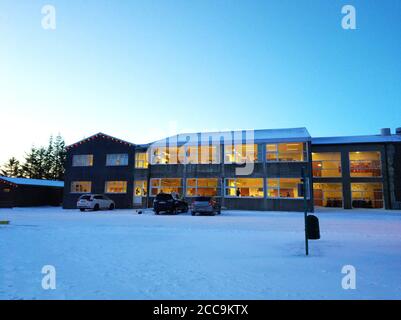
(357, 139)
(238, 255)
(262, 135)
(34, 182)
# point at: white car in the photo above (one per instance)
(95, 202)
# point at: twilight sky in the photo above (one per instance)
(142, 70)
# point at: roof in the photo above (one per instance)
(34, 182)
(357, 139)
(265, 135)
(101, 136)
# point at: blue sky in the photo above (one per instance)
(140, 70)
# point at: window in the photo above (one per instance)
(241, 153)
(202, 187)
(367, 195)
(82, 160)
(328, 194)
(116, 187)
(365, 164)
(165, 185)
(141, 160)
(140, 188)
(160, 155)
(117, 159)
(244, 187)
(81, 186)
(326, 164)
(167, 155)
(284, 188)
(209, 154)
(286, 152)
(6, 190)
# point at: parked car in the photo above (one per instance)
(165, 202)
(205, 205)
(95, 202)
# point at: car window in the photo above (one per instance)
(203, 198)
(164, 196)
(85, 197)
(98, 197)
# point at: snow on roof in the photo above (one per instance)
(357, 139)
(34, 182)
(100, 135)
(264, 135)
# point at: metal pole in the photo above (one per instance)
(305, 211)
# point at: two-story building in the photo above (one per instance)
(248, 170)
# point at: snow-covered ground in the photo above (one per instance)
(238, 255)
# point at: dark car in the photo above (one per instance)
(206, 205)
(165, 202)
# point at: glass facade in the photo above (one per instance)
(207, 187)
(286, 188)
(365, 164)
(244, 187)
(326, 164)
(165, 185)
(240, 153)
(286, 152)
(328, 194)
(367, 195)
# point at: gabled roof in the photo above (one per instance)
(100, 135)
(357, 139)
(265, 135)
(33, 182)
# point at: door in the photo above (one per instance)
(140, 191)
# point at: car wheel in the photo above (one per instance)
(111, 206)
(185, 210)
(96, 207)
(193, 213)
(82, 210)
(157, 212)
(175, 211)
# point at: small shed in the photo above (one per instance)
(22, 192)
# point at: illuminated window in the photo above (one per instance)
(165, 185)
(167, 155)
(207, 187)
(82, 160)
(284, 188)
(367, 195)
(140, 188)
(286, 152)
(241, 153)
(326, 164)
(116, 187)
(160, 155)
(244, 187)
(365, 164)
(81, 187)
(141, 160)
(6, 190)
(209, 154)
(117, 159)
(328, 194)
